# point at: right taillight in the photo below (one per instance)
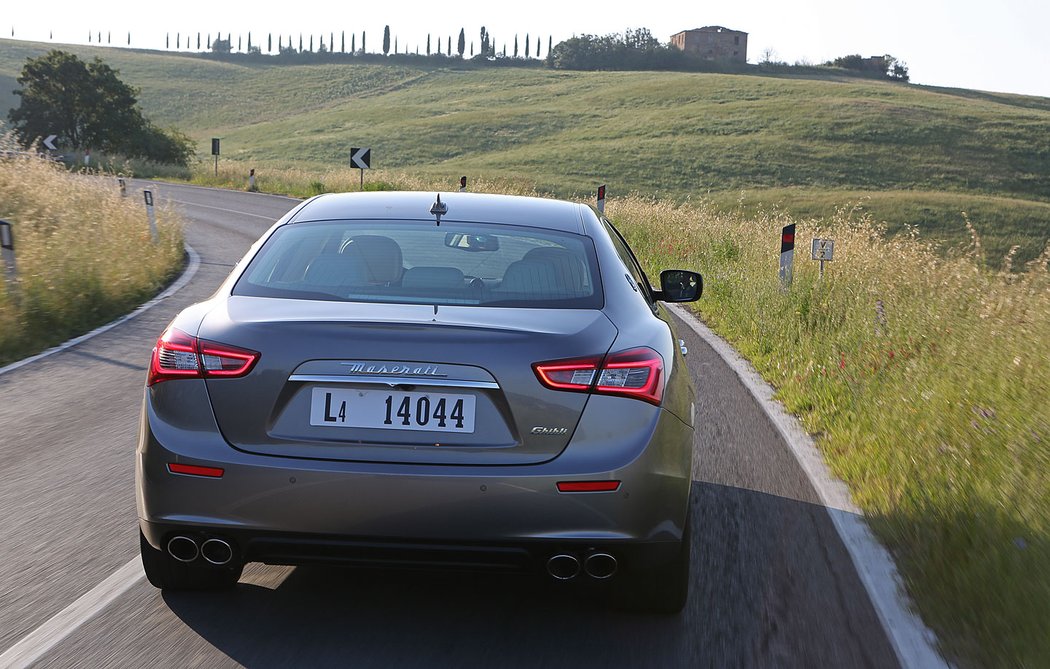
(177, 355)
(634, 373)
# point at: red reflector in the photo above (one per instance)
(195, 470)
(588, 486)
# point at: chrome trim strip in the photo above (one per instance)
(373, 380)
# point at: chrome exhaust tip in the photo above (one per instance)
(563, 567)
(216, 551)
(600, 565)
(183, 548)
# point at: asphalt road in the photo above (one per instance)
(773, 585)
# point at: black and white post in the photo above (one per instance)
(601, 199)
(463, 184)
(361, 159)
(787, 255)
(123, 185)
(148, 195)
(7, 249)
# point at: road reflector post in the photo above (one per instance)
(787, 255)
(601, 199)
(123, 186)
(7, 249)
(824, 251)
(463, 184)
(148, 195)
(251, 180)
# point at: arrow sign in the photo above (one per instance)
(49, 142)
(361, 158)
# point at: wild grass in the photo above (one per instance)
(83, 254)
(926, 381)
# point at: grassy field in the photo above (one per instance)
(72, 255)
(804, 145)
(932, 407)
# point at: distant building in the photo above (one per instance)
(714, 43)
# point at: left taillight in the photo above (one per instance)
(634, 373)
(177, 355)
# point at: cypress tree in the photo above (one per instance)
(249, 42)
(342, 47)
(300, 42)
(428, 44)
(269, 43)
(462, 45)
(362, 41)
(386, 40)
(526, 45)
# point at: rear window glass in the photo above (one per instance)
(422, 263)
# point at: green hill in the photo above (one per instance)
(910, 155)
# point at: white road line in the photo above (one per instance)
(912, 641)
(191, 269)
(231, 211)
(34, 645)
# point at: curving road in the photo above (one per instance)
(773, 585)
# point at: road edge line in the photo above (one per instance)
(37, 643)
(914, 644)
(180, 283)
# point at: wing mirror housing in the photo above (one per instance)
(680, 285)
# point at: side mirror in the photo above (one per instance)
(679, 285)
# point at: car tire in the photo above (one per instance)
(167, 573)
(665, 589)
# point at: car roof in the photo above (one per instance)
(462, 208)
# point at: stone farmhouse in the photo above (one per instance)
(713, 43)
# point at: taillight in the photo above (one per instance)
(177, 355)
(635, 373)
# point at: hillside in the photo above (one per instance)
(909, 155)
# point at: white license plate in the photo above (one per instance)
(384, 409)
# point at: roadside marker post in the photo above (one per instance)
(362, 160)
(601, 199)
(463, 184)
(251, 180)
(7, 249)
(787, 255)
(215, 152)
(123, 186)
(148, 195)
(824, 251)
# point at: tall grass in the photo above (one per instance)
(927, 382)
(83, 254)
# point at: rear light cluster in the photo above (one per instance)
(635, 373)
(177, 355)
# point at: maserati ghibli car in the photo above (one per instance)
(407, 379)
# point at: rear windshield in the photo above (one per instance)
(422, 263)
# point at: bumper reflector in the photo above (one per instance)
(195, 470)
(588, 486)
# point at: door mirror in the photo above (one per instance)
(679, 285)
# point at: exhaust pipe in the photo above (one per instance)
(183, 548)
(600, 565)
(563, 567)
(216, 551)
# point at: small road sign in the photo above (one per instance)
(361, 158)
(50, 142)
(214, 146)
(823, 249)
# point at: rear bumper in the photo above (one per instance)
(288, 510)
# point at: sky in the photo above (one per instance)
(993, 45)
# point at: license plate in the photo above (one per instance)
(430, 412)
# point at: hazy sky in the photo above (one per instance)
(995, 45)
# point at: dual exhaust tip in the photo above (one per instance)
(565, 567)
(186, 549)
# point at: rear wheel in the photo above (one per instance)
(664, 589)
(167, 573)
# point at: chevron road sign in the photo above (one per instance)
(361, 158)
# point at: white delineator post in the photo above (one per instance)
(787, 255)
(7, 250)
(463, 184)
(148, 195)
(601, 199)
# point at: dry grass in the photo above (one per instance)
(83, 254)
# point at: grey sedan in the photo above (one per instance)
(403, 379)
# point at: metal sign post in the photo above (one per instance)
(215, 152)
(601, 199)
(7, 249)
(361, 159)
(152, 216)
(824, 251)
(787, 255)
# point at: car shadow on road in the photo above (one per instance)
(771, 586)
